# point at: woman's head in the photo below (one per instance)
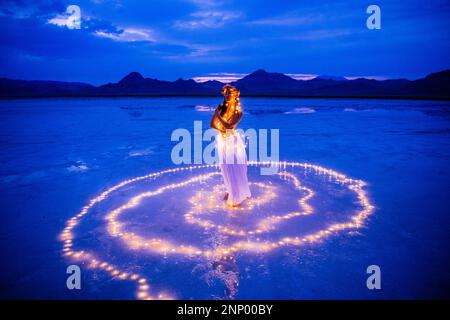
(230, 93)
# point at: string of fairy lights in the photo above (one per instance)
(264, 225)
(203, 202)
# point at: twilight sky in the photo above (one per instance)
(221, 39)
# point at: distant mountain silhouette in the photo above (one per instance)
(214, 85)
(258, 83)
(23, 88)
(135, 84)
(263, 82)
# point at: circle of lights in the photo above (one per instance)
(161, 246)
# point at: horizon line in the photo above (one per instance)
(228, 77)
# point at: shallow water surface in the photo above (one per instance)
(58, 153)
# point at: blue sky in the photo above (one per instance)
(222, 39)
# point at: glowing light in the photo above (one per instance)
(200, 202)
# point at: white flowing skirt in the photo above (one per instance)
(233, 165)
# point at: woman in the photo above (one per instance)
(231, 148)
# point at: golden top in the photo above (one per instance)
(228, 114)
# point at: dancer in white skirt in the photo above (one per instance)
(230, 147)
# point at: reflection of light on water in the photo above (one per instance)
(265, 224)
(192, 216)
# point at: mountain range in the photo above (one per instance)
(258, 83)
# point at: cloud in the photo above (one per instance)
(320, 34)
(379, 78)
(100, 28)
(194, 37)
(287, 20)
(70, 19)
(200, 53)
(206, 3)
(225, 77)
(128, 35)
(302, 76)
(30, 9)
(209, 19)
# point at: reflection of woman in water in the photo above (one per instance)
(231, 148)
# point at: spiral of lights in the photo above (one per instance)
(200, 203)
